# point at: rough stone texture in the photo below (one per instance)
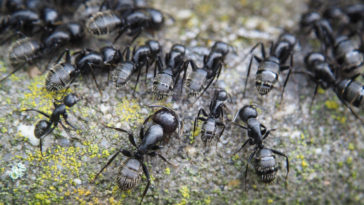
(325, 147)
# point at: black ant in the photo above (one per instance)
(271, 66)
(135, 20)
(320, 71)
(348, 56)
(211, 69)
(68, 33)
(211, 121)
(164, 122)
(141, 56)
(323, 74)
(264, 159)
(63, 73)
(321, 27)
(169, 73)
(351, 92)
(28, 21)
(23, 51)
(45, 127)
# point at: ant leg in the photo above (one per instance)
(247, 166)
(122, 30)
(352, 111)
(137, 34)
(38, 111)
(43, 136)
(266, 135)
(313, 97)
(262, 49)
(236, 124)
(146, 172)
(198, 118)
(236, 115)
(222, 130)
(153, 154)
(283, 155)
(130, 135)
(242, 146)
(247, 75)
(286, 81)
(68, 123)
(124, 152)
(138, 76)
(94, 77)
(11, 73)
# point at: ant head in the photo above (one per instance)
(70, 100)
(291, 39)
(157, 18)
(221, 47)
(50, 16)
(221, 95)
(247, 112)
(314, 56)
(110, 55)
(308, 19)
(154, 46)
(178, 48)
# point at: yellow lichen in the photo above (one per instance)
(332, 105)
(167, 171)
(304, 164)
(128, 110)
(185, 192)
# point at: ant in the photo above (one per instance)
(28, 21)
(212, 119)
(23, 51)
(144, 55)
(321, 27)
(45, 127)
(351, 92)
(348, 56)
(322, 73)
(264, 159)
(168, 75)
(134, 21)
(164, 122)
(71, 32)
(64, 73)
(272, 65)
(211, 69)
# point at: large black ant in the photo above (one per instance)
(323, 73)
(64, 72)
(351, 92)
(169, 73)
(144, 55)
(321, 27)
(134, 21)
(320, 71)
(272, 65)
(211, 69)
(213, 119)
(45, 127)
(164, 122)
(264, 159)
(61, 35)
(348, 56)
(23, 51)
(29, 21)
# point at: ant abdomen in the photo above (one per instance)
(129, 174)
(265, 165)
(41, 128)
